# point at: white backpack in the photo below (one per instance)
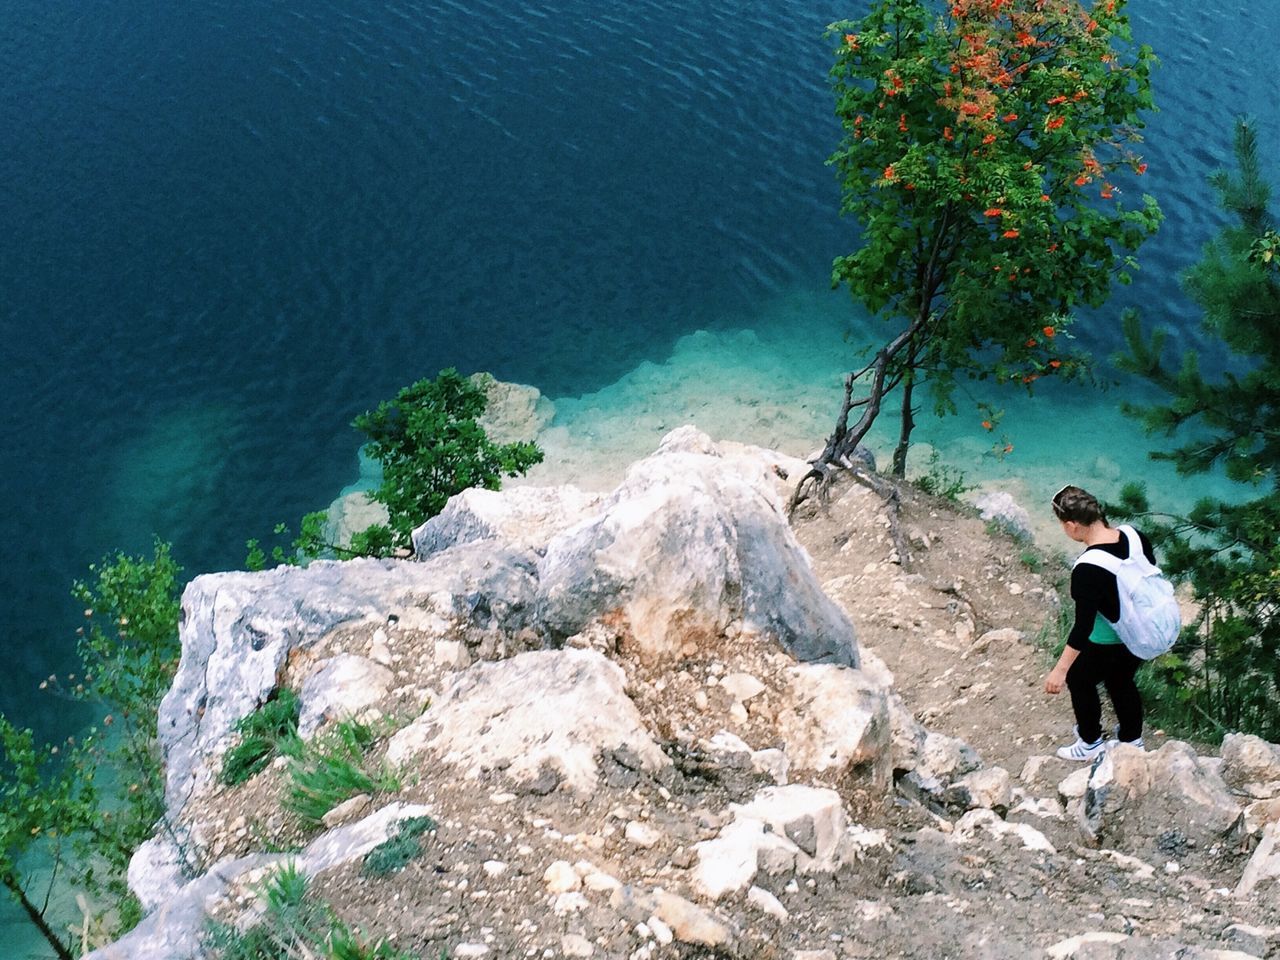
(1149, 616)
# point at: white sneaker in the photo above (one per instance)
(1081, 750)
(1128, 743)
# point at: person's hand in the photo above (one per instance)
(1055, 682)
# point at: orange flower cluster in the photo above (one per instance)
(1053, 123)
(993, 212)
(1010, 234)
(851, 41)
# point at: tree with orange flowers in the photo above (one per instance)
(984, 152)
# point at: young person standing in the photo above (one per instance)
(1094, 653)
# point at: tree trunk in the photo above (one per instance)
(36, 917)
(908, 417)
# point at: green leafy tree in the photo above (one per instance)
(43, 801)
(51, 797)
(431, 446)
(983, 145)
(1227, 667)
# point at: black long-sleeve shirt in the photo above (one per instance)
(1094, 589)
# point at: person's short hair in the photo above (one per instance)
(1077, 505)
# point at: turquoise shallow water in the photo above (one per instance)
(231, 227)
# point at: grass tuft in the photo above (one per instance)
(395, 853)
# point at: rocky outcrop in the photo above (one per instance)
(691, 543)
(239, 629)
(543, 717)
(691, 546)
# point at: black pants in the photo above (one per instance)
(1112, 665)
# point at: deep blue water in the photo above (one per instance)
(229, 227)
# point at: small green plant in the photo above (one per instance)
(294, 925)
(943, 481)
(395, 853)
(261, 735)
(332, 768)
(1005, 527)
(1032, 560)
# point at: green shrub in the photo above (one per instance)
(394, 853)
(294, 925)
(431, 446)
(261, 734)
(943, 481)
(332, 768)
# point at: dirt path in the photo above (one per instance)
(929, 619)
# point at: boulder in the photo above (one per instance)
(812, 818)
(1136, 795)
(338, 688)
(175, 928)
(1264, 866)
(525, 517)
(238, 629)
(1251, 766)
(514, 412)
(782, 829)
(538, 713)
(689, 543)
(350, 514)
(835, 721)
(989, 788)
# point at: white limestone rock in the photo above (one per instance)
(525, 517)
(237, 630)
(338, 688)
(766, 902)
(560, 877)
(988, 788)
(1251, 766)
(812, 818)
(513, 412)
(787, 828)
(690, 542)
(1000, 506)
(546, 709)
(1170, 785)
(1264, 866)
(689, 923)
(349, 809)
(968, 826)
(835, 721)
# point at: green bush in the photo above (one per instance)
(332, 768)
(395, 853)
(261, 734)
(431, 446)
(294, 925)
